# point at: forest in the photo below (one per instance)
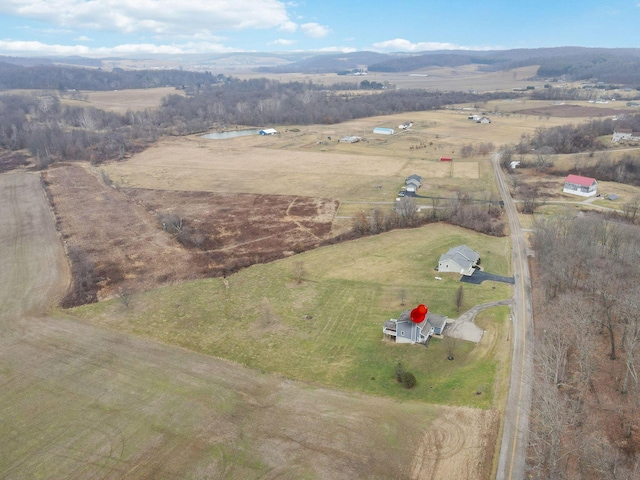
(585, 416)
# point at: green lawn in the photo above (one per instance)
(328, 329)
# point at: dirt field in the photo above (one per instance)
(572, 111)
(120, 235)
(81, 402)
(119, 101)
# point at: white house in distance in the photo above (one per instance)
(460, 259)
(384, 131)
(622, 134)
(405, 330)
(268, 131)
(583, 186)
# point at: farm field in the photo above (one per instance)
(80, 401)
(278, 370)
(303, 161)
(120, 101)
(326, 327)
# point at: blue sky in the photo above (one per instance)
(139, 27)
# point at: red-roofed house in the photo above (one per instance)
(577, 185)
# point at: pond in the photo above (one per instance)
(231, 134)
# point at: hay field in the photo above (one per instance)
(119, 101)
(464, 78)
(309, 160)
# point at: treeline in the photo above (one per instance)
(50, 77)
(585, 418)
(481, 215)
(52, 131)
(606, 67)
(583, 137)
(264, 102)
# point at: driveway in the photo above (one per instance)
(480, 276)
(464, 328)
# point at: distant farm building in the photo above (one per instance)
(483, 120)
(384, 131)
(446, 159)
(405, 330)
(625, 134)
(268, 131)
(474, 117)
(405, 126)
(583, 186)
(459, 259)
(350, 139)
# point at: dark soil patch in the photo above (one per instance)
(133, 240)
(570, 111)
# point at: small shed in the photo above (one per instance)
(268, 131)
(583, 186)
(350, 139)
(483, 120)
(446, 159)
(384, 131)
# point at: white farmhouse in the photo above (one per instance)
(583, 186)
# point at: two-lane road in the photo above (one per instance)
(511, 464)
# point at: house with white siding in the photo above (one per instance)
(583, 186)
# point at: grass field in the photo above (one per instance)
(328, 328)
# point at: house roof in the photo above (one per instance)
(414, 177)
(431, 320)
(462, 255)
(412, 181)
(578, 180)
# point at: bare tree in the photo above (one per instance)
(459, 298)
(299, 271)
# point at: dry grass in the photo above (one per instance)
(119, 101)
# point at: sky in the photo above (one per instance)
(139, 27)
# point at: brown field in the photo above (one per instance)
(120, 232)
(572, 111)
(119, 101)
(82, 402)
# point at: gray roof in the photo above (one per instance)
(433, 319)
(461, 255)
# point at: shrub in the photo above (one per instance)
(408, 380)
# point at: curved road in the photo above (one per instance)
(511, 463)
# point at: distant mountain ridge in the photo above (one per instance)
(609, 65)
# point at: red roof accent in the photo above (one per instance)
(445, 159)
(578, 180)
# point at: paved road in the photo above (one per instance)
(511, 463)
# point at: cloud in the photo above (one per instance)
(160, 17)
(289, 26)
(282, 41)
(402, 45)
(33, 47)
(315, 30)
(338, 49)
(83, 38)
